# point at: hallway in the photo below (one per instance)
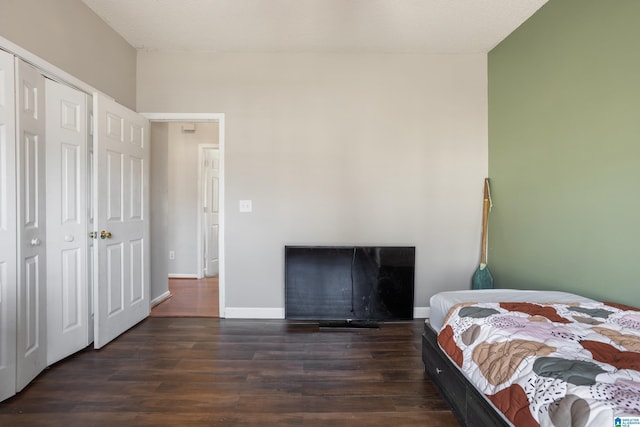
(190, 298)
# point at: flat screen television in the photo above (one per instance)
(361, 283)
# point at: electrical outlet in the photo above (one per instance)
(172, 254)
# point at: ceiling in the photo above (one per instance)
(410, 26)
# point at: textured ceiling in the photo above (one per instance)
(421, 26)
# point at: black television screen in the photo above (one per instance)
(364, 283)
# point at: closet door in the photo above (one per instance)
(30, 129)
(67, 235)
(7, 229)
(121, 201)
(90, 221)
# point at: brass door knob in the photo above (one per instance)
(105, 234)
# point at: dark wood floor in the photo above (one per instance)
(210, 372)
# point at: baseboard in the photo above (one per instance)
(253, 313)
(159, 299)
(182, 276)
(421, 312)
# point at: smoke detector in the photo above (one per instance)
(188, 128)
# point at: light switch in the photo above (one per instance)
(245, 206)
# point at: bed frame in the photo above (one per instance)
(469, 405)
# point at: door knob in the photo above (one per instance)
(105, 234)
(35, 242)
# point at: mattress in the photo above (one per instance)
(550, 364)
(442, 302)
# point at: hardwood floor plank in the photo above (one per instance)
(70, 420)
(380, 419)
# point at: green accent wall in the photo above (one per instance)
(564, 151)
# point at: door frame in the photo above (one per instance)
(207, 117)
(200, 230)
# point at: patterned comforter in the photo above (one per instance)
(551, 364)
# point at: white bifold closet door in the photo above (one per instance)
(48, 262)
(121, 200)
(31, 339)
(67, 234)
(8, 231)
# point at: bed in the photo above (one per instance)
(529, 358)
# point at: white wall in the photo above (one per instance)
(338, 149)
(183, 195)
(72, 37)
(159, 212)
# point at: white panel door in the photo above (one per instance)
(121, 151)
(90, 220)
(211, 185)
(8, 275)
(67, 284)
(31, 304)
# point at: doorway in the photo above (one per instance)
(177, 224)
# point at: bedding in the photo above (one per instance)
(441, 303)
(554, 364)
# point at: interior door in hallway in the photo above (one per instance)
(210, 168)
(7, 229)
(121, 202)
(67, 289)
(31, 341)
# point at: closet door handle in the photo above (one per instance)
(105, 234)
(35, 242)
